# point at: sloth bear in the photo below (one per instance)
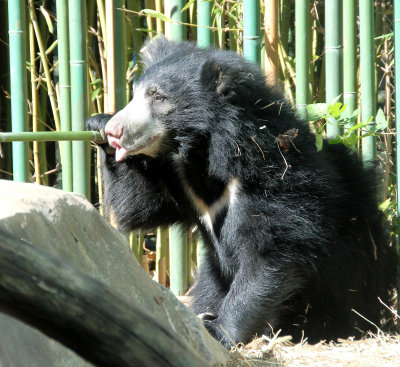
(293, 237)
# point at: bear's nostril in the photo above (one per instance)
(114, 132)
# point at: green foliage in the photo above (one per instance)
(156, 14)
(389, 208)
(321, 112)
(97, 88)
(188, 5)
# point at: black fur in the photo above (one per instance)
(303, 245)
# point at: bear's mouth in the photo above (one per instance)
(140, 146)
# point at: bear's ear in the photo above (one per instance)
(232, 81)
(218, 77)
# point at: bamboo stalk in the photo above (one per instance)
(51, 136)
(79, 95)
(367, 65)
(285, 72)
(137, 36)
(397, 97)
(177, 238)
(102, 44)
(233, 36)
(99, 180)
(159, 23)
(302, 60)
(333, 59)
(110, 105)
(119, 55)
(161, 255)
(34, 101)
(174, 11)
(45, 63)
(349, 57)
(251, 30)
(285, 9)
(220, 22)
(65, 92)
(149, 4)
(178, 248)
(271, 40)
(18, 86)
(204, 35)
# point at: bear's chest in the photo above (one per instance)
(212, 211)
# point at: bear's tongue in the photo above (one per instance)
(120, 152)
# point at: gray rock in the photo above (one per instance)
(68, 226)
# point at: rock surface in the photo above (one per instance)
(68, 226)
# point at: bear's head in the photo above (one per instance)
(184, 93)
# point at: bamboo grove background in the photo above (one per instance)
(69, 59)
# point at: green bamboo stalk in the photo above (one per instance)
(65, 92)
(333, 59)
(177, 238)
(349, 57)
(251, 30)
(45, 62)
(79, 95)
(204, 35)
(178, 260)
(302, 14)
(34, 101)
(119, 55)
(177, 30)
(51, 136)
(367, 65)
(18, 83)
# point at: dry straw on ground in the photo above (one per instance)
(375, 350)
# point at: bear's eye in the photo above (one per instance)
(158, 97)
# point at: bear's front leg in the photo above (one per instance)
(209, 290)
(255, 302)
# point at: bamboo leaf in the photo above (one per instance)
(317, 111)
(335, 110)
(146, 30)
(350, 141)
(337, 140)
(157, 14)
(385, 205)
(355, 127)
(381, 122)
(187, 6)
(48, 19)
(95, 93)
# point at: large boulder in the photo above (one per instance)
(68, 226)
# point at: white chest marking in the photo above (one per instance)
(208, 213)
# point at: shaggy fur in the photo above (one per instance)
(295, 241)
